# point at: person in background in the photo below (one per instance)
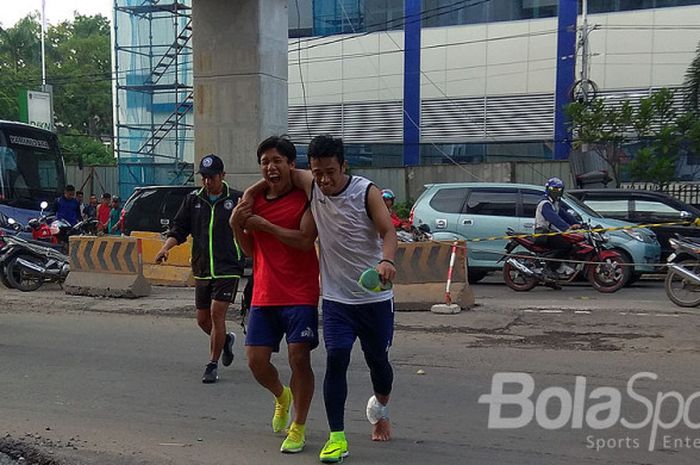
(103, 211)
(114, 226)
(217, 260)
(67, 207)
(389, 200)
(79, 197)
(90, 210)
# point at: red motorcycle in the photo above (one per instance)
(604, 268)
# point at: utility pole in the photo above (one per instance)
(43, 44)
(584, 52)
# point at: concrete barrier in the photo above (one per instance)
(176, 272)
(422, 274)
(107, 266)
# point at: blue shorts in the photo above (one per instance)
(372, 323)
(267, 325)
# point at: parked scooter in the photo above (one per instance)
(419, 234)
(26, 265)
(606, 272)
(682, 283)
(55, 232)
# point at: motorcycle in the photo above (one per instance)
(61, 230)
(606, 270)
(419, 234)
(682, 282)
(28, 265)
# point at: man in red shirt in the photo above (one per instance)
(278, 231)
(103, 211)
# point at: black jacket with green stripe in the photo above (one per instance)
(215, 253)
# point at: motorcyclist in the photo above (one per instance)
(551, 217)
(389, 200)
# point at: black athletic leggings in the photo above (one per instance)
(335, 383)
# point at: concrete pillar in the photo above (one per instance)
(240, 81)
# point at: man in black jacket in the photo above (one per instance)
(217, 260)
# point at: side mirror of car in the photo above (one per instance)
(686, 215)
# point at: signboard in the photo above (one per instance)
(35, 108)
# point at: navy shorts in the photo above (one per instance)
(372, 323)
(267, 325)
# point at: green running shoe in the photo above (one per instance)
(281, 419)
(295, 439)
(336, 449)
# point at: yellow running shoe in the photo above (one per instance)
(336, 449)
(282, 405)
(295, 439)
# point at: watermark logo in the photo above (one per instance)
(599, 409)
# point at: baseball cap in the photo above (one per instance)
(210, 165)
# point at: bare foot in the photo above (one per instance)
(382, 430)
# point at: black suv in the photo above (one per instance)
(152, 208)
(643, 207)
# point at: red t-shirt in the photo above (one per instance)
(103, 212)
(282, 274)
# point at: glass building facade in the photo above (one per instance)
(328, 17)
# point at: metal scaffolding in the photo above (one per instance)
(153, 92)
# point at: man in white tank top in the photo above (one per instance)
(355, 233)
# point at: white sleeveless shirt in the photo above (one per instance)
(349, 242)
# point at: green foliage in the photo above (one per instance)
(78, 148)
(403, 209)
(78, 66)
(692, 84)
(654, 124)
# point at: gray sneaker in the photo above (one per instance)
(210, 375)
(227, 356)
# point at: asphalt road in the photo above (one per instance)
(119, 388)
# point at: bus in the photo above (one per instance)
(31, 170)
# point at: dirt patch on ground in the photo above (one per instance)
(13, 451)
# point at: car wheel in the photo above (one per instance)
(626, 258)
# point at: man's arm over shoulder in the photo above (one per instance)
(304, 180)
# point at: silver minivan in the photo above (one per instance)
(483, 210)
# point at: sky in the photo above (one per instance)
(12, 11)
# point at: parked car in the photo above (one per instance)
(152, 208)
(643, 207)
(479, 210)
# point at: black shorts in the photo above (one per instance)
(206, 290)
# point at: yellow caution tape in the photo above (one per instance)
(580, 231)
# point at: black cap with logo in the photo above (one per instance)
(211, 165)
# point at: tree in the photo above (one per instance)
(652, 124)
(601, 128)
(692, 84)
(19, 63)
(78, 66)
(80, 71)
(81, 149)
